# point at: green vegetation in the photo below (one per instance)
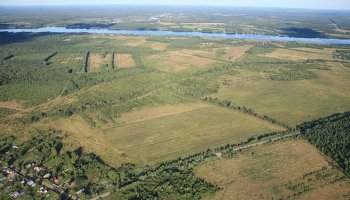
(5, 112)
(47, 161)
(133, 116)
(293, 74)
(342, 54)
(331, 136)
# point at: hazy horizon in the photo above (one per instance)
(312, 4)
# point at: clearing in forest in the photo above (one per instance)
(96, 61)
(123, 61)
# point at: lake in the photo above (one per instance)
(185, 34)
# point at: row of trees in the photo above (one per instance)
(230, 104)
(86, 63)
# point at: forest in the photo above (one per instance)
(331, 136)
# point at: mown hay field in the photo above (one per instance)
(167, 132)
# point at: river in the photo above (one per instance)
(52, 29)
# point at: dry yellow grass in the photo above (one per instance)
(298, 55)
(14, 105)
(235, 53)
(124, 61)
(326, 51)
(66, 60)
(135, 41)
(201, 53)
(158, 112)
(96, 61)
(158, 46)
(276, 171)
(178, 61)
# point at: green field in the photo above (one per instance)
(294, 101)
(177, 134)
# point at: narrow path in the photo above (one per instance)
(337, 28)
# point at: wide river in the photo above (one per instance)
(186, 34)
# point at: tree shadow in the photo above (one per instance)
(7, 37)
(302, 33)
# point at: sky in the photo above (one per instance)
(317, 4)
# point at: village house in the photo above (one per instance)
(31, 183)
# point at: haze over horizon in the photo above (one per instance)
(313, 4)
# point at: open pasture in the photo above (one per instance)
(292, 101)
(164, 133)
(297, 54)
(179, 61)
(287, 169)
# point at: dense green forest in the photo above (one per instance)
(331, 136)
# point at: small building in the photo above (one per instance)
(14, 194)
(47, 176)
(55, 179)
(80, 191)
(22, 192)
(28, 166)
(42, 190)
(38, 169)
(31, 183)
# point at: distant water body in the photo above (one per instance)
(52, 29)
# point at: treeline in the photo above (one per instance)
(9, 57)
(86, 63)
(113, 60)
(343, 54)
(50, 56)
(230, 104)
(331, 136)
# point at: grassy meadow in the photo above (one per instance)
(167, 133)
(290, 169)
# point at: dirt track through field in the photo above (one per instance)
(295, 133)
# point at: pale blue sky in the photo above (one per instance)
(326, 4)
